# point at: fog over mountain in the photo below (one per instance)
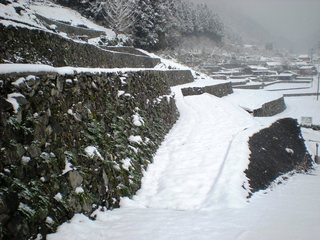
(293, 24)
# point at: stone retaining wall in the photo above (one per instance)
(71, 30)
(219, 90)
(270, 108)
(276, 150)
(260, 86)
(75, 142)
(177, 77)
(22, 45)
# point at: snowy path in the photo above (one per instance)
(289, 212)
(199, 169)
(191, 159)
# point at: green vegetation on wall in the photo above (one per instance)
(76, 142)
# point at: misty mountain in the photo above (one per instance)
(242, 27)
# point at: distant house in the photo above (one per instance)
(304, 58)
(308, 70)
(276, 66)
(287, 76)
(257, 70)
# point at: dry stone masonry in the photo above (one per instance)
(276, 150)
(69, 143)
(271, 108)
(23, 45)
(219, 90)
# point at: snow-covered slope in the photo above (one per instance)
(24, 13)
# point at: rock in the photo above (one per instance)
(34, 151)
(75, 179)
(59, 84)
(4, 218)
(3, 206)
(5, 106)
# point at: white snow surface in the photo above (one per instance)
(92, 151)
(135, 139)
(79, 190)
(298, 107)
(11, 98)
(137, 120)
(36, 68)
(290, 211)
(67, 167)
(58, 197)
(251, 99)
(193, 188)
(192, 159)
(64, 14)
(28, 17)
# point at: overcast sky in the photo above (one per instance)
(297, 20)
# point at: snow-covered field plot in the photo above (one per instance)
(295, 88)
(288, 86)
(203, 82)
(251, 99)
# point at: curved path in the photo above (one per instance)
(199, 166)
(190, 161)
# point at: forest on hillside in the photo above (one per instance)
(152, 24)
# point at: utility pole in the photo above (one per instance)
(316, 158)
(318, 84)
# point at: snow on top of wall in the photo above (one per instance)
(251, 99)
(8, 68)
(33, 68)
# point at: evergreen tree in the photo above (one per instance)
(119, 14)
(144, 32)
(153, 24)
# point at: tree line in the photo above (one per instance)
(153, 24)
